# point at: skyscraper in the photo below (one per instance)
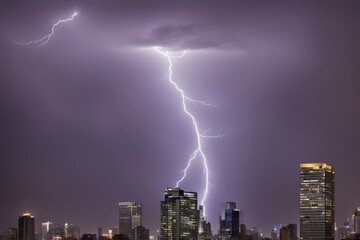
(317, 201)
(26, 227)
(229, 221)
(45, 230)
(179, 215)
(130, 216)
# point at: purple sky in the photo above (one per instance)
(90, 119)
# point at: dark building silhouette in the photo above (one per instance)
(121, 237)
(179, 215)
(10, 234)
(229, 221)
(88, 236)
(141, 233)
(317, 201)
(288, 232)
(26, 227)
(243, 232)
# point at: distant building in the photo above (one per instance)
(26, 227)
(10, 234)
(71, 231)
(356, 221)
(45, 230)
(254, 234)
(344, 231)
(205, 232)
(88, 236)
(274, 234)
(243, 232)
(120, 237)
(57, 233)
(288, 232)
(141, 233)
(130, 216)
(100, 233)
(317, 201)
(179, 215)
(229, 221)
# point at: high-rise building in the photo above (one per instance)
(243, 232)
(229, 221)
(317, 201)
(344, 231)
(205, 232)
(71, 231)
(130, 216)
(179, 215)
(26, 227)
(45, 230)
(141, 233)
(356, 221)
(274, 234)
(288, 232)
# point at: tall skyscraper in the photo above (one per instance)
(26, 227)
(45, 230)
(317, 201)
(130, 216)
(179, 215)
(229, 221)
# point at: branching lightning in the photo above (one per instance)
(45, 39)
(198, 152)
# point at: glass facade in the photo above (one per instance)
(179, 215)
(317, 201)
(130, 216)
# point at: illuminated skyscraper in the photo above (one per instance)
(229, 221)
(179, 215)
(26, 227)
(317, 201)
(45, 230)
(130, 216)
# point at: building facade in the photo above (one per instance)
(317, 205)
(229, 221)
(130, 216)
(179, 215)
(356, 221)
(288, 232)
(26, 227)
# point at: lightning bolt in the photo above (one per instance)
(45, 39)
(199, 136)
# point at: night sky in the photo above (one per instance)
(90, 119)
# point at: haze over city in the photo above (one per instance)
(90, 119)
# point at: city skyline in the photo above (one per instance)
(89, 119)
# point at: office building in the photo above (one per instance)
(229, 221)
(317, 201)
(179, 215)
(130, 216)
(26, 227)
(45, 230)
(288, 232)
